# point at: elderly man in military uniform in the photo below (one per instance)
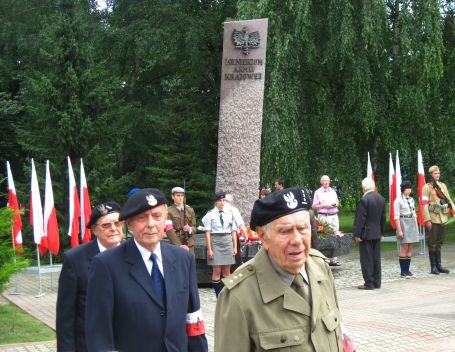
(284, 298)
(183, 221)
(436, 206)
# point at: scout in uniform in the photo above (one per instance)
(284, 298)
(436, 206)
(183, 221)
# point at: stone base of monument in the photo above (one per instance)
(335, 246)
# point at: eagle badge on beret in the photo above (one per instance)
(290, 200)
(151, 200)
(102, 209)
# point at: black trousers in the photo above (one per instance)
(370, 261)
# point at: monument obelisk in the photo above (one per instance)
(241, 105)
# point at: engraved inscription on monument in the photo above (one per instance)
(244, 68)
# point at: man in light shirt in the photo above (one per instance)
(325, 202)
(72, 288)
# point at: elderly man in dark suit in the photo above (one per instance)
(72, 288)
(143, 295)
(368, 232)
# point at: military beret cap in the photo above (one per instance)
(177, 190)
(405, 184)
(219, 195)
(141, 201)
(278, 204)
(101, 210)
(433, 168)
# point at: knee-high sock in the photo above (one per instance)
(402, 261)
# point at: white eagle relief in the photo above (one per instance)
(151, 200)
(246, 41)
(290, 200)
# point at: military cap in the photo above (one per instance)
(141, 201)
(219, 195)
(278, 204)
(405, 184)
(433, 168)
(178, 190)
(101, 210)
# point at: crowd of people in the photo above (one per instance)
(141, 294)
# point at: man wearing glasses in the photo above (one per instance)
(72, 287)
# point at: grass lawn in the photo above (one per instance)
(347, 224)
(16, 326)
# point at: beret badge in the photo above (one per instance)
(290, 200)
(151, 200)
(104, 209)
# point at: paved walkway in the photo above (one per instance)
(404, 315)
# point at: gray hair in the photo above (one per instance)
(323, 177)
(368, 184)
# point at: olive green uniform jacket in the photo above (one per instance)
(433, 210)
(256, 311)
(177, 236)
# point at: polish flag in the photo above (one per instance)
(86, 208)
(36, 214)
(398, 176)
(370, 173)
(50, 216)
(420, 184)
(74, 208)
(13, 204)
(392, 191)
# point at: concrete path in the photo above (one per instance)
(404, 315)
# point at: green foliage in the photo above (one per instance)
(10, 262)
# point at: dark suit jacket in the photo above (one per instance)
(72, 291)
(370, 217)
(123, 312)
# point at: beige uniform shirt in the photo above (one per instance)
(256, 311)
(431, 204)
(176, 236)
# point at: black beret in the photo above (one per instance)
(101, 210)
(219, 195)
(141, 201)
(405, 184)
(278, 204)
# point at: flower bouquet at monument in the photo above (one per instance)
(324, 229)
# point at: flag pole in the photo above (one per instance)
(16, 281)
(50, 267)
(40, 290)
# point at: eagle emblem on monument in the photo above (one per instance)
(246, 40)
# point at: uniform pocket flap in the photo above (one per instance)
(280, 339)
(332, 319)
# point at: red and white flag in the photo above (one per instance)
(74, 208)
(86, 208)
(420, 184)
(50, 216)
(392, 191)
(398, 176)
(13, 204)
(36, 214)
(370, 173)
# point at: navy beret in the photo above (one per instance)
(278, 204)
(219, 195)
(141, 201)
(101, 210)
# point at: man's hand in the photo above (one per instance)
(184, 246)
(187, 228)
(358, 239)
(428, 225)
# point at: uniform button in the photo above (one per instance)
(283, 338)
(162, 313)
(235, 277)
(250, 268)
(336, 319)
(296, 338)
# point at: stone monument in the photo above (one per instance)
(241, 103)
